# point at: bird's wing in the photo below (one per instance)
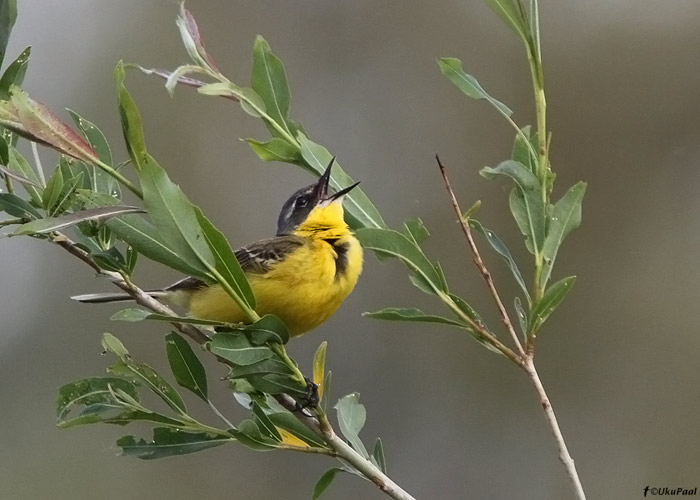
(261, 256)
(256, 258)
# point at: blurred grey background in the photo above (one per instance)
(619, 359)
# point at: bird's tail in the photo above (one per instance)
(100, 298)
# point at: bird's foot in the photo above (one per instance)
(310, 399)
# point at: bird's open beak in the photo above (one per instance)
(322, 186)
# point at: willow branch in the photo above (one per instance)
(551, 418)
(322, 427)
(139, 296)
(479, 261)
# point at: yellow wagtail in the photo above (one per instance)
(302, 275)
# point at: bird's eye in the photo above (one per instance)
(301, 202)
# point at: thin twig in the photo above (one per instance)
(323, 429)
(12, 222)
(139, 296)
(551, 418)
(480, 263)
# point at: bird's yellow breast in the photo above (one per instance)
(304, 289)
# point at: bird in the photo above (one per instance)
(301, 275)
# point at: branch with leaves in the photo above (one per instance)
(83, 196)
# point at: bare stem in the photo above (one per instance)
(322, 427)
(551, 418)
(12, 222)
(480, 262)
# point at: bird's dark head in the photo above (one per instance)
(306, 200)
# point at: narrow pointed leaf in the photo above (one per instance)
(90, 391)
(269, 81)
(174, 216)
(14, 73)
(324, 482)
(19, 165)
(188, 370)
(551, 299)
(416, 230)
(395, 244)
(351, 418)
(378, 455)
(265, 424)
(513, 17)
(50, 224)
(411, 314)
(17, 207)
(529, 213)
(169, 442)
(565, 217)
(8, 15)
(225, 260)
(320, 367)
(269, 328)
(191, 38)
(236, 347)
(275, 149)
(451, 67)
(523, 145)
(522, 315)
(101, 181)
(289, 423)
(502, 250)
(131, 120)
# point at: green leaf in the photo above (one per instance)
(451, 67)
(551, 299)
(526, 201)
(522, 315)
(324, 482)
(265, 424)
(50, 224)
(361, 211)
(189, 32)
(269, 328)
(14, 73)
(169, 442)
(513, 16)
(416, 230)
(502, 250)
(131, 120)
(289, 423)
(90, 391)
(378, 455)
(8, 15)
(101, 181)
(393, 243)
(143, 374)
(141, 235)
(275, 149)
(131, 314)
(249, 434)
(17, 207)
(411, 314)
(269, 81)
(19, 165)
(225, 260)
(110, 259)
(174, 216)
(523, 145)
(238, 349)
(188, 370)
(319, 365)
(565, 217)
(351, 419)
